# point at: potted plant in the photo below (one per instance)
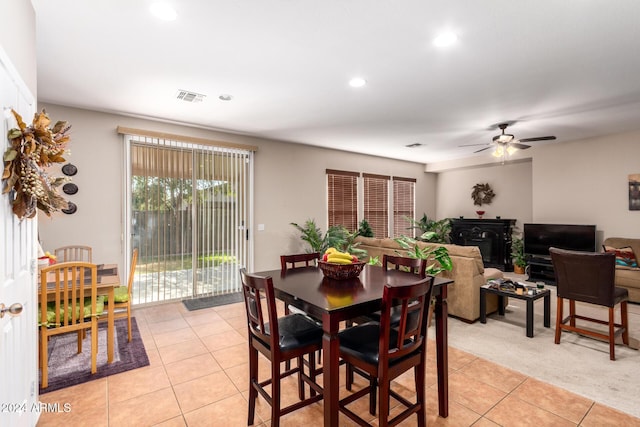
(517, 255)
(336, 236)
(437, 253)
(430, 230)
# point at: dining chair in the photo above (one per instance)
(69, 304)
(122, 298)
(278, 339)
(291, 262)
(384, 352)
(589, 277)
(73, 253)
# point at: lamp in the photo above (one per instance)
(503, 152)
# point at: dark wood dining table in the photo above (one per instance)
(333, 301)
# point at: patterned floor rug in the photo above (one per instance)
(67, 367)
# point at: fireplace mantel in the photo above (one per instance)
(492, 236)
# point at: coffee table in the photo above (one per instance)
(540, 293)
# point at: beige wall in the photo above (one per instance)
(579, 182)
(510, 182)
(18, 38)
(289, 185)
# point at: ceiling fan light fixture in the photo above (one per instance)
(498, 152)
(511, 150)
(504, 138)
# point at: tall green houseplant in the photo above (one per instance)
(437, 253)
(431, 230)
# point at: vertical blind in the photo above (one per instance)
(403, 204)
(189, 211)
(376, 203)
(342, 188)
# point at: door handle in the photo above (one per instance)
(14, 309)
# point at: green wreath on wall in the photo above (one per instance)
(482, 194)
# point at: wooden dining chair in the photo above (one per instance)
(384, 352)
(278, 339)
(291, 262)
(122, 298)
(73, 253)
(70, 304)
(589, 277)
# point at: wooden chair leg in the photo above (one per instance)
(572, 313)
(373, 386)
(253, 377)
(559, 316)
(349, 375)
(420, 373)
(275, 394)
(612, 335)
(624, 314)
(94, 345)
(300, 372)
(44, 344)
(129, 321)
(312, 374)
(287, 364)
(383, 413)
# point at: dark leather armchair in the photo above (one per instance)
(589, 277)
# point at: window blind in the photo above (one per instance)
(342, 188)
(376, 203)
(403, 205)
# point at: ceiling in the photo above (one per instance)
(567, 68)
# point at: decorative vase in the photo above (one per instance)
(518, 269)
(480, 213)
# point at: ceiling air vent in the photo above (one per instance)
(187, 96)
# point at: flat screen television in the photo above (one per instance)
(538, 238)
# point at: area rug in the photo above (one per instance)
(67, 367)
(212, 301)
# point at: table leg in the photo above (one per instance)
(547, 310)
(330, 369)
(110, 324)
(442, 354)
(530, 317)
(483, 306)
(501, 305)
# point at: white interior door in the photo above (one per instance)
(18, 334)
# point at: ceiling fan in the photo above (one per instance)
(506, 142)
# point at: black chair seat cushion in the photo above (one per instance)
(296, 331)
(363, 342)
(620, 294)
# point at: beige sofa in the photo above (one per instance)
(627, 277)
(468, 274)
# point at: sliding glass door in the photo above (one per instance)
(188, 217)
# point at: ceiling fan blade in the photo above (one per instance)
(520, 146)
(482, 149)
(473, 145)
(540, 138)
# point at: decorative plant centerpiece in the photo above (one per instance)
(32, 148)
(336, 237)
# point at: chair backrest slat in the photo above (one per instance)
(73, 253)
(584, 276)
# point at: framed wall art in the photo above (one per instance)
(634, 192)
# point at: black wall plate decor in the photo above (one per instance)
(70, 188)
(69, 169)
(71, 208)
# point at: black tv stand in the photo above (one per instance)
(541, 270)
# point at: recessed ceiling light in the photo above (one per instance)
(357, 82)
(445, 39)
(163, 11)
(225, 97)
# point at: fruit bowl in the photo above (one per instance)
(341, 271)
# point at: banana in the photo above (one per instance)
(344, 255)
(338, 260)
(330, 250)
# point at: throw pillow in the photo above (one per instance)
(624, 256)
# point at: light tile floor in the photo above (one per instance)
(198, 376)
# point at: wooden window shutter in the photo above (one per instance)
(376, 203)
(342, 190)
(403, 205)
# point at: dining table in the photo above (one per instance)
(108, 281)
(334, 301)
